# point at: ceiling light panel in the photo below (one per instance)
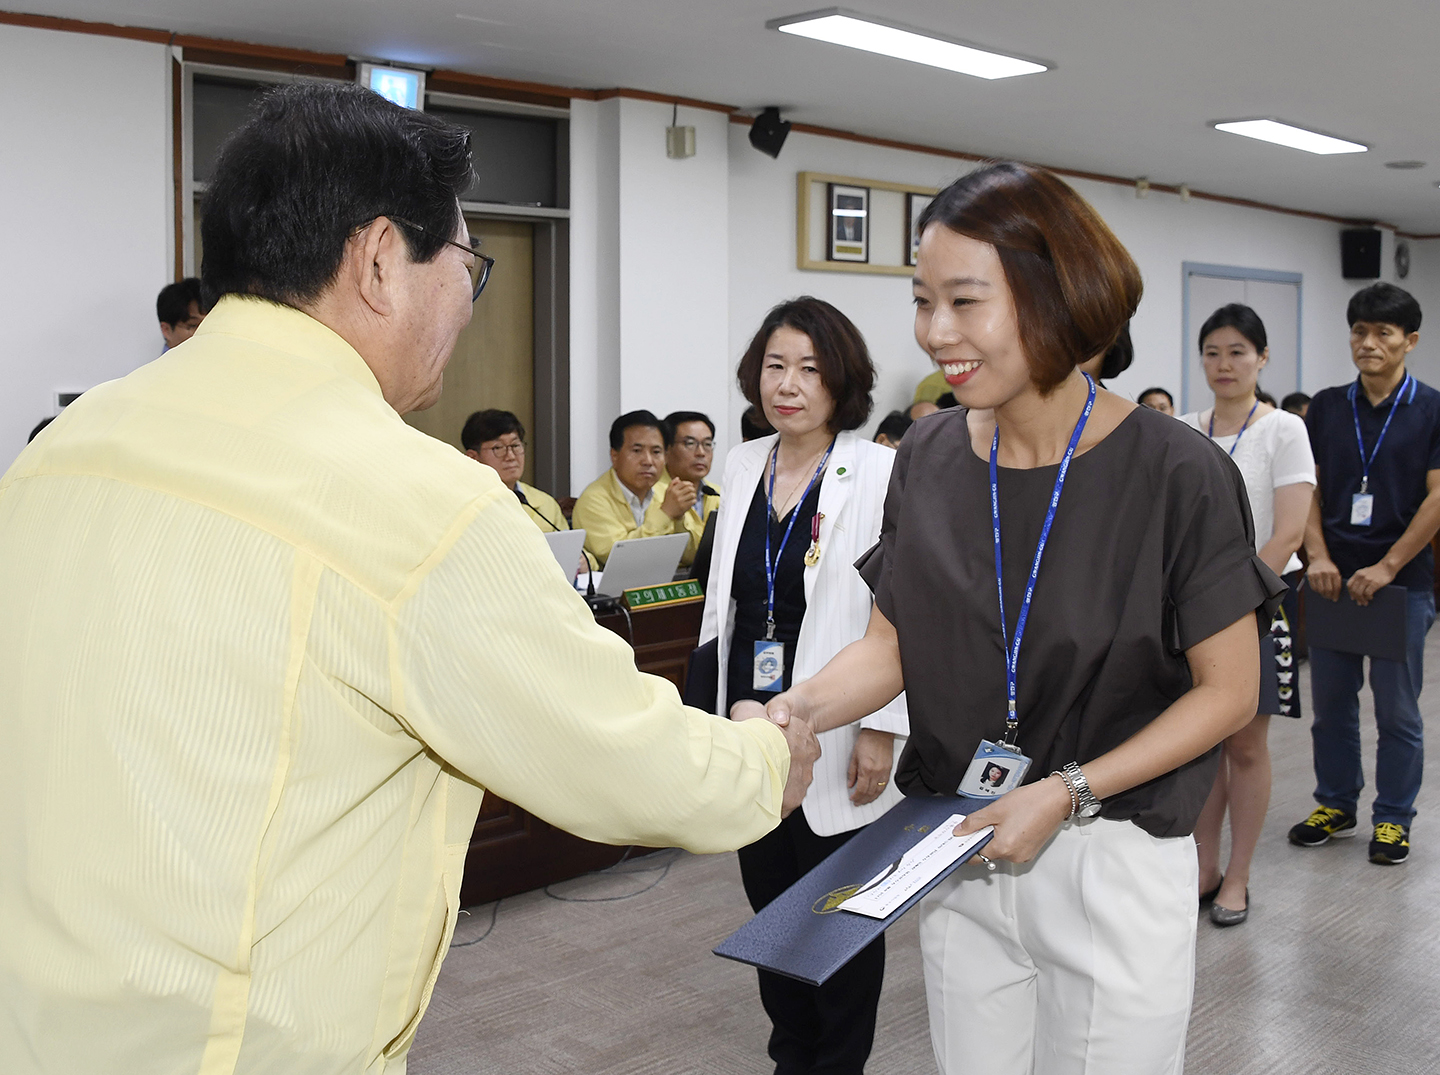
(1287, 134)
(840, 27)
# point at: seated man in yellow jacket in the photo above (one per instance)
(629, 500)
(497, 439)
(689, 456)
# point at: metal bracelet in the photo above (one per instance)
(1070, 787)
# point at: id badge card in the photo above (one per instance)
(993, 771)
(769, 666)
(1362, 509)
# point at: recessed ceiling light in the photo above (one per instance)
(841, 27)
(1404, 166)
(1287, 134)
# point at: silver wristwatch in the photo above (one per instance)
(1082, 799)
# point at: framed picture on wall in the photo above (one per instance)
(848, 237)
(915, 204)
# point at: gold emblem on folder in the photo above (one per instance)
(831, 901)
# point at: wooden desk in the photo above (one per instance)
(512, 851)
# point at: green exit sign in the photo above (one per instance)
(667, 593)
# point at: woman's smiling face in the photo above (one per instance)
(965, 319)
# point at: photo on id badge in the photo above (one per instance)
(993, 771)
(769, 666)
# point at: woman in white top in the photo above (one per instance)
(784, 597)
(1272, 450)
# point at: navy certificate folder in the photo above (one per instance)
(1374, 630)
(802, 934)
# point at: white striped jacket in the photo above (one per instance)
(837, 604)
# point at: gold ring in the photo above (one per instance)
(882, 783)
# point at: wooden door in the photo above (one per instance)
(494, 360)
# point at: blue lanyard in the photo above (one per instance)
(1244, 427)
(772, 566)
(1012, 651)
(1355, 410)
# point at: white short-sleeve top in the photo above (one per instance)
(1274, 451)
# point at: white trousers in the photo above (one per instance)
(1080, 961)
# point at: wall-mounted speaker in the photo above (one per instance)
(1360, 253)
(768, 132)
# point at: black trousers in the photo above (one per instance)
(824, 1030)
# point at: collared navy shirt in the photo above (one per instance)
(1410, 449)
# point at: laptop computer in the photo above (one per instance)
(641, 562)
(567, 546)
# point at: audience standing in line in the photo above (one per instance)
(688, 458)
(1296, 403)
(629, 500)
(1157, 399)
(1377, 452)
(1076, 939)
(892, 428)
(1272, 450)
(497, 439)
(179, 308)
(782, 599)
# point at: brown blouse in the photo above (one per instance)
(1152, 551)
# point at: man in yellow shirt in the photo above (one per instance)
(629, 500)
(497, 439)
(689, 456)
(264, 647)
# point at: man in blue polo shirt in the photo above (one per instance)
(1377, 454)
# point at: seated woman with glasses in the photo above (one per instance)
(497, 439)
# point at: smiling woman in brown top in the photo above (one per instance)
(1139, 653)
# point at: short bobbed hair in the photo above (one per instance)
(1242, 319)
(1074, 285)
(314, 162)
(484, 426)
(1384, 304)
(845, 367)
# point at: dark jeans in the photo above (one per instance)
(1335, 682)
(824, 1030)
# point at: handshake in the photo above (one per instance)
(799, 735)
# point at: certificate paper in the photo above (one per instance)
(891, 887)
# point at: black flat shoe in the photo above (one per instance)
(1223, 916)
(1209, 897)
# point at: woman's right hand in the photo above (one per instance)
(786, 707)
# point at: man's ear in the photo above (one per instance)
(372, 261)
(473, 454)
(1411, 340)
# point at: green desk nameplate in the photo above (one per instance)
(666, 593)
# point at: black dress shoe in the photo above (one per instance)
(1223, 916)
(1209, 897)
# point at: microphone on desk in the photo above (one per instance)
(589, 560)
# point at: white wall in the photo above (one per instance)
(85, 182)
(1160, 231)
(656, 338)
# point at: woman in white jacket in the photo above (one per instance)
(783, 597)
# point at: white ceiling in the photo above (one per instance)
(1133, 86)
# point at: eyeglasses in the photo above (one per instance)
(501, 450)
(479, 271)
(690, 444)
